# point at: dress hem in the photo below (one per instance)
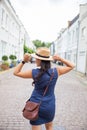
(41, 123)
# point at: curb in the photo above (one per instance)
(5, 71)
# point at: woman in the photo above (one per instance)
(41, 77)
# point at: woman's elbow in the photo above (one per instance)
(73, 66)
(14, 73)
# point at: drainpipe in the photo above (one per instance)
(77, 52)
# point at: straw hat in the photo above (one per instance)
(42, 53)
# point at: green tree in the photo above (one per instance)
(28, 50)
(25, 49)
(38, 43)
(47, 44)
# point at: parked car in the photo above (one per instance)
(60, 63)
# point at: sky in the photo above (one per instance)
(43, 19)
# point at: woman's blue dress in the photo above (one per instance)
(47, 107)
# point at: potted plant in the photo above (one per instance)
(13, 62)
(5, 63)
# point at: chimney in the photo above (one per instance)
(69, 24)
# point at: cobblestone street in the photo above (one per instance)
(71, 101)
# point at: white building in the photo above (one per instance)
(12, 32)
(73, 40)
(62, 43)
(72, 43)
(67, 41)
(82, 47)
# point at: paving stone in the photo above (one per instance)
(59, 128)
(55, 128)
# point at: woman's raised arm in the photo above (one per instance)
(18, 68)
(63, 69)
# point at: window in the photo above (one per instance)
(3, 17)
(69, 38)
(69, 57)
(6, 22)
(13, 28)
(73, 36)
(4, 45)
(74, 58)
(77, 33)
(83, 31)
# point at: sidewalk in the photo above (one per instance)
(81, 76)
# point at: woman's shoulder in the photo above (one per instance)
(36, 69)
(53, 70)
(35, 72)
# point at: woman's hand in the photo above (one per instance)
(27, 57)
(68, 65)
(57, 57)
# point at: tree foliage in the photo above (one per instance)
(28, 50)
(12, 57)
(4, 58)
(38, 43)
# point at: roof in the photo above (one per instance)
(73, 21)
(11, 6)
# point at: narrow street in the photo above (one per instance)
(71, 101)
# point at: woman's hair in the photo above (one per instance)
(45, 65)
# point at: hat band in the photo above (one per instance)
(42, 56)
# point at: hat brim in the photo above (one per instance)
(42, 58)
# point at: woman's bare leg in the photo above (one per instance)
(49, 126)
(36, 127)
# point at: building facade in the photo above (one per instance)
(67, 41)
(12, 32)
(72, 42)
(82, 46)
